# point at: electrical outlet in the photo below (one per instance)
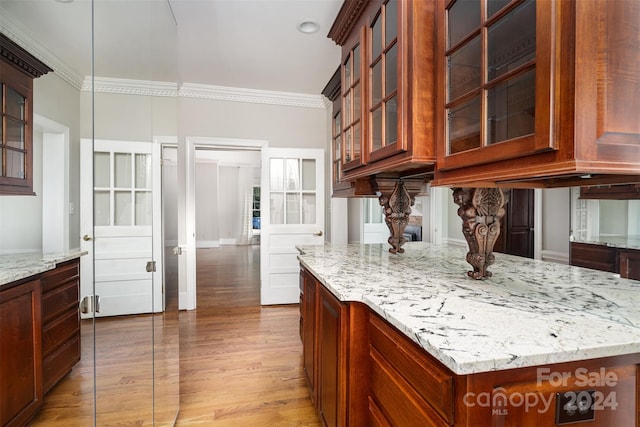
(575, 406)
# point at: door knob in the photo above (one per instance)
(86, 238)
(319, 233)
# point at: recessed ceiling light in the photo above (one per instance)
(308, 27)
(64, 1)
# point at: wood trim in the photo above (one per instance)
(21, 59)
(346, 20)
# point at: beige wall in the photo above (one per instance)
(21, 216)
(281, 126)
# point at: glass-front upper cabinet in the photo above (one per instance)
(388, 86)
(539, 92)
(497, 80)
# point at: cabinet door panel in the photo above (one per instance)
(329, 334)
(21, 358)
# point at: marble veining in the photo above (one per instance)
(17, 266)
(529, 313)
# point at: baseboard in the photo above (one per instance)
(228, 241)
(456, 242)
(554, 256)
(202, 244)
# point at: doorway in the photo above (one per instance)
(227, 244)
(517, 226)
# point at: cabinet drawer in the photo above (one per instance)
(393, 355)
(598, 257)
(63, 273)
(60, 300)
(398, 402)
(60, 362)
(58, 332)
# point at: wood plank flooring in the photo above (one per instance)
(239, 363)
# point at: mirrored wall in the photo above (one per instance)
(111, 104)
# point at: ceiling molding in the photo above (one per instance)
(129, 87)
(223, 93)
(18, 35)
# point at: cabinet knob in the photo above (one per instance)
(86, 238)
(319, 233)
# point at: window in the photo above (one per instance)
(255, 208)
(17, 71)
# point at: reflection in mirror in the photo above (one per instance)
(612, 222)
(114, 79)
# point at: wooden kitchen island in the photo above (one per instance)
(410, 340)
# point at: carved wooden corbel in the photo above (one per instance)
(481, 210)
(397, 208)
(396, 196)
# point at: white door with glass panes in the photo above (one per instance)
(118, 227)
(292, 213)
(374, 228)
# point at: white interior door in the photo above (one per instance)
(292, 210)
(119, 233)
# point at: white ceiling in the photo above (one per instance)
(236, 43)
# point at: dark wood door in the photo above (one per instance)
(516, 229)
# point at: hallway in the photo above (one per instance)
(240, 363)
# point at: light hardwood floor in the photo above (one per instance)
(240, 363)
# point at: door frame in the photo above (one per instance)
(55, 185)
(187, 207)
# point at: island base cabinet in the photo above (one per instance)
(20, 353)
(549, 396)
(369, 373)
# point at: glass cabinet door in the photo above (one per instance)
(384, 78)
(351, 109)
(498, 75)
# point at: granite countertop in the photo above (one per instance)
(16, 266)
(625, 242)
(529, 313)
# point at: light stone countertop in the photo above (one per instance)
(529, 313)
(17, 266)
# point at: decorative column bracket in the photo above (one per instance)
(396, 196)
(481, 210)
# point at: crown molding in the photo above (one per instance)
(13, 31)
(129, 87)
(224, 93)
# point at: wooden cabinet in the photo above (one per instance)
(20, 352)
(387, 89)
(597, 257)
(629, 263)
(308, 316)
(536, 396)
(537, 93)
(406, 386)
(371, 374)
(626, 262)
(331, 360)
(60, 322)
(334, 354)
(18, 68)
(39, 339)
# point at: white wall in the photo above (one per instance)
(223, 178)
(207, 220)
(556, 218)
